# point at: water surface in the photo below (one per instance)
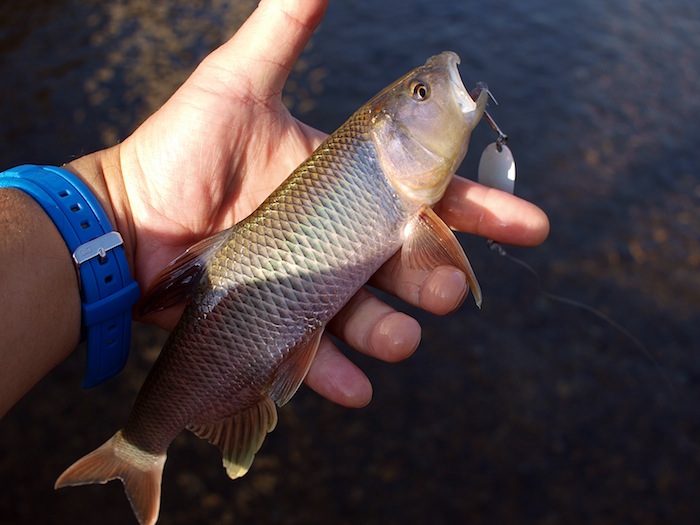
(528, 411)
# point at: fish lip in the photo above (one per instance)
(462, 97)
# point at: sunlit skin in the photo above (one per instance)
(261, 293)
(201, 163)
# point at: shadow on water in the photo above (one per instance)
(528, 411)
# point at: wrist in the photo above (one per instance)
(106, 287)
(102, 174)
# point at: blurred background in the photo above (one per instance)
(528, 411)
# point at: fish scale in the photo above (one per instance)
(263, 318)
(261, 293)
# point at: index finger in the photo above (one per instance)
(471, 207)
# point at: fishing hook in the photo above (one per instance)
(502, 137)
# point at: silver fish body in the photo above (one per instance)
(273, 282)
(261, 293)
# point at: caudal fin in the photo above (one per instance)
(139, 471)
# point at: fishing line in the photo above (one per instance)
(497, 170)
(498, 248)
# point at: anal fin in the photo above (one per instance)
(240, 436)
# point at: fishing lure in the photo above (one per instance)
(497, 170)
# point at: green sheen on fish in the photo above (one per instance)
(260, 294)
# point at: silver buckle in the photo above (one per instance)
(97, 247)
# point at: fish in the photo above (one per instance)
(260, 294)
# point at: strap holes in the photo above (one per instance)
(63, 194)
(85, 225)
(109, 279)
(75, 208)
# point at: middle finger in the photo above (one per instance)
(374, 328)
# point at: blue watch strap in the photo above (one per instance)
(107, 290)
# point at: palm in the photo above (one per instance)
(201, 168)
(221, 144)
(224, 141)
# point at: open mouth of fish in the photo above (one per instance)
(462, 97)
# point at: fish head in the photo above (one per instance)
(421, 125)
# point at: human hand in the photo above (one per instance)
(224, 141)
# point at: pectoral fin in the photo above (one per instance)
(430, 243)
(179, 279)
(240, 436)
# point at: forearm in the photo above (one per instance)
(39, 296)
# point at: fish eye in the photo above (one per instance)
(420, 90)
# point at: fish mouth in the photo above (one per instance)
(464, 100)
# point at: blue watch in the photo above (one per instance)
(107, 289)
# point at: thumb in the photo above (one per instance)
(268, 44)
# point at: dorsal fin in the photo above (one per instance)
(240, 436)
(179, 279)
(292, 371)
(430, 243)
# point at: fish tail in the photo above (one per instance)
(139, 471)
